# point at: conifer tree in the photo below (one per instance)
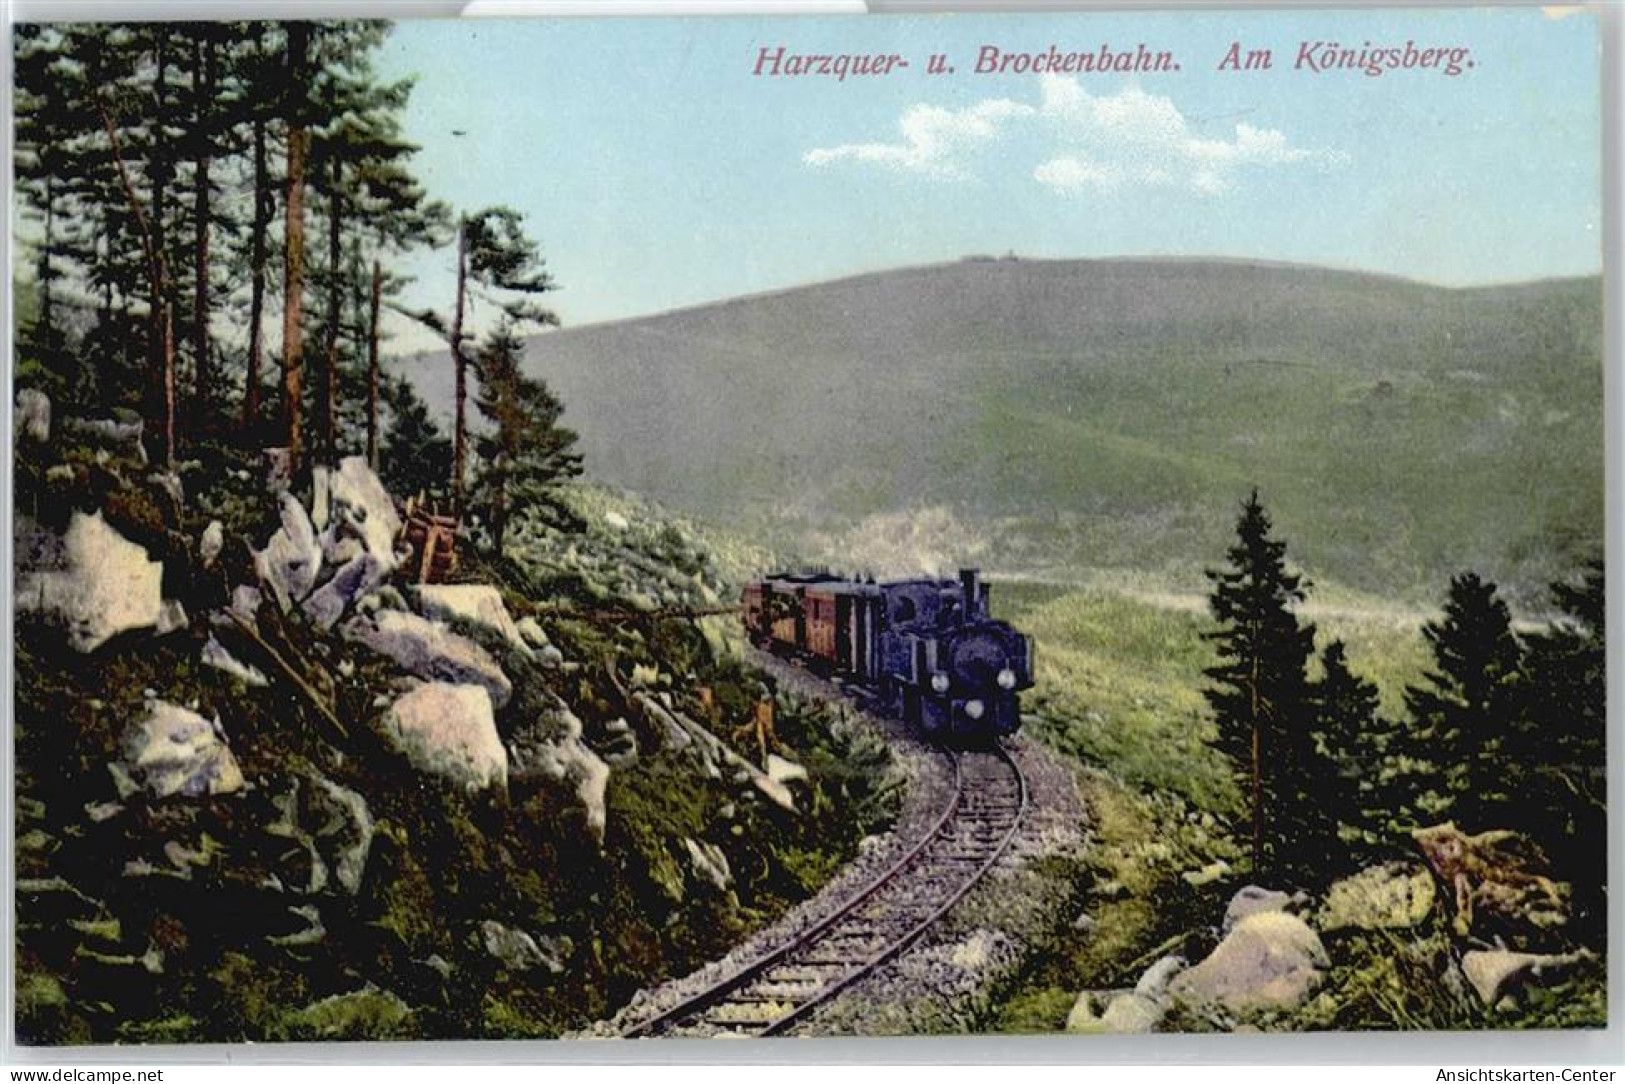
(417, 456)
(1468, 708)
(527, 453)
(1352, 738)
(1260, 691)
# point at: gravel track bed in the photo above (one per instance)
(951, 963)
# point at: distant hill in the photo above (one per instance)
(1057, 414)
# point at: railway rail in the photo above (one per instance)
(775, 993)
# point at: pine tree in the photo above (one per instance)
(1352, 738)
(1260, 693)
(527, 453)
(1468, 709)
(417, 456)
(1558, 759)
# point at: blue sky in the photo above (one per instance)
(657, 171)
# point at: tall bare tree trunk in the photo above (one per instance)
(372, 364)
(293, 271)
(162, 314)
(330, 363)
(202, 85)
(460, 442)
(256, 266)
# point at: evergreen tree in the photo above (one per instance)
(417, 457)
(1468, 709)
(527, 453)
(1352, 738)
(1558, 759)
(1260, 695)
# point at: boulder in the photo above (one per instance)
(620, 748)
(552, 749)
(1496, 973)
(517, 950)
(292, 558)
(1497, 880)
(357, 576)
(475, 602)
(780, 770)
(1253, 900)
(431, 651)
(532, 632)
(33, 418)
(333, 826)
(178, 752)
(709, 864)
(361, 516)
(1271, 960)
(106, 585)
(449, 731)
(212, 542)
(1392, 896)
(171, 617)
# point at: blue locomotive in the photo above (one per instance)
(927, 647)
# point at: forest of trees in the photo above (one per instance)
(1505, 730)
(183, 185)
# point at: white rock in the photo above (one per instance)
(1253, 900)
(171, 617)
(780, 770)
(218, 657)
(1271, 960)
(709, 864)
(616, 521)
(362, 512)
(34, 415)
(176, 751)
(430, 651)
(212, 542)
(320, 496)
(532, 632)
(292, 558)
(448, 730)
(107, 585)
(476, 602)
(1495, 973)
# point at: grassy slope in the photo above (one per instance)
(1110, 413)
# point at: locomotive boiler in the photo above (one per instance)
(928, 648)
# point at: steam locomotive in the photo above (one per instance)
(928, 648)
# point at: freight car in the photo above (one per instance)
(928, 648)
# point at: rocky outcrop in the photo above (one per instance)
(1497, 881)
(1270, 960)
(431, 651)
(448, 730)
(480, 604)
(360, 516)
(517, 950)
(174, 751)
(1393, 896)
(329, 602)
(553, 749)
(105, 585)
(292, 558)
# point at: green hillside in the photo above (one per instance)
(1060, 415)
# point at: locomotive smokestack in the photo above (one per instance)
(970, 580)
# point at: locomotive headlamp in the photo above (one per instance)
(973, 709)
(939, 682)
(1007, 678)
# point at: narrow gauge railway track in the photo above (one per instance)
(883, 918)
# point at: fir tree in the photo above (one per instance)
(1467, 711)
(417, 457)
(1260, 694)
(527, 453)
(1351, 738)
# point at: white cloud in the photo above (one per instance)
(1095, 142)
(933, 138)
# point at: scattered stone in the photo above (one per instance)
(532, 632)
(218, 657)
(476, 602)
(448, 730)
(781, 770)
(616, 521)
(107, 585)
(362, 516)
(33, 416)
(320, 497)
(621, 743)
(1496, 973)
(1497, 880)
(313, 932)
(327, 604)
(292, 559)
(1154, 983)
(334, 827)
(1125, 1014)
(517, 950)
(245, 601)
(431, 651)
(1271, 960)
(550, 657)
(1253, 900)
(212, 541)
(566, 758)
(171, 617)
(1396, 895)
(709, 864)
(176, 751)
